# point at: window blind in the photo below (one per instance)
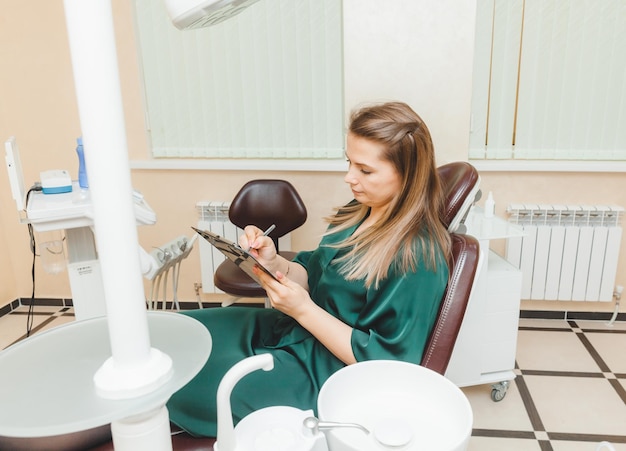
(549, 80)
(266, 83)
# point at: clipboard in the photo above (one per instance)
(235, 253)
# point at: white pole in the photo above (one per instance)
(147, 432)
(134, 367)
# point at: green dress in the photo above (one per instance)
(390, 322)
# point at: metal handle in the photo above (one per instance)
(314, 425)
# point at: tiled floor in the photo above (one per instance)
(569, 393)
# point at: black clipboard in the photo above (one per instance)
(234, 253)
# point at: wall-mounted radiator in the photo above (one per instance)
(568, 253)
(213, 216)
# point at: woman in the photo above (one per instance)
(371, 290)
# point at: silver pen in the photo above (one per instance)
(267, 232)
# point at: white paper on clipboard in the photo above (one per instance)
(234, 253)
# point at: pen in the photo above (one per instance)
(267, 232)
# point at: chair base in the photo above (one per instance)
(233, 300)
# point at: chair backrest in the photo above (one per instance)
(461, 183)
(264, 202)
(463, 271)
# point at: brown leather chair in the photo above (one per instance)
(463, 271)
(461, 185)
(260, 202)
(460, 182)
(465, 261)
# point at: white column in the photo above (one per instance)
(134, 367)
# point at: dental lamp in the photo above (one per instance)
(190, 14)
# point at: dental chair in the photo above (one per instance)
(465, 262)
(461, 182)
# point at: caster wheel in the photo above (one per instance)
(499, 391)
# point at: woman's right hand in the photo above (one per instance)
(261, 247)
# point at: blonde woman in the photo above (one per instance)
(371, 290)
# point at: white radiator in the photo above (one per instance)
(568, 253)
(213, 216)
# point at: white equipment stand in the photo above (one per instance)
(73, 212)
(485, 348)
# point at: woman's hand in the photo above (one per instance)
(294, 300)
(285, 294)
(260, 246)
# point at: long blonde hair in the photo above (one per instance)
(414, 214)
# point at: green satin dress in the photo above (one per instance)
(390, 322)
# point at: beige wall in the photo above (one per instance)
(416, 51)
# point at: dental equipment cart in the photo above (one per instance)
(72, 212)
(485, 348)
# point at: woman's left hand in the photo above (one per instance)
(285, 295)
(292, 299)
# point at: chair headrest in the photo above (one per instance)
(460, 181)
(264, 202)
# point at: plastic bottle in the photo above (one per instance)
(490, 206)
(82, 170)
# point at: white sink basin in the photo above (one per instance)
(402, 405)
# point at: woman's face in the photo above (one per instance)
(374, 181)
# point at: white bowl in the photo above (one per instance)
(404, 406)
